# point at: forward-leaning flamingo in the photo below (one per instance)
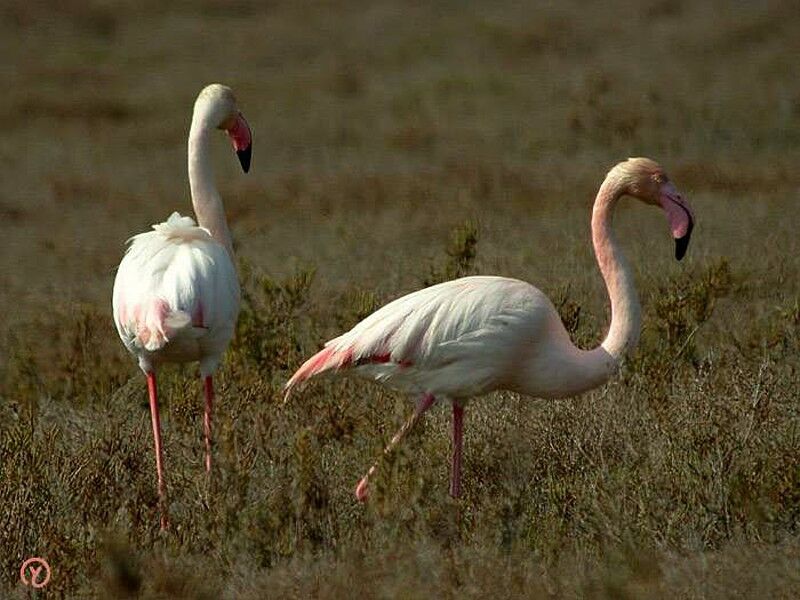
(176, 294)
(470, 336)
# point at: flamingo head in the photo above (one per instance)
(646, 180)
(220, 111)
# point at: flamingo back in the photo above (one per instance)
(176, 295)
(457, 339)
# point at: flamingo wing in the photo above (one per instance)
(176, 284)
(455, 338)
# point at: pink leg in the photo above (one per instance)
(423, 405)
(162, 489)
(458, 446)
(209, 392)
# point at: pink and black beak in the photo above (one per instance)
(242, 140)
(680, 217)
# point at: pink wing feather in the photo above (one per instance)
(459, 324)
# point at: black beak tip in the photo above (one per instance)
(682, 243)
(244, 157)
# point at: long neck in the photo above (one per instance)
(559, 368)
(626, 315)
(205, 197)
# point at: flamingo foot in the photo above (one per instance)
(362, 490)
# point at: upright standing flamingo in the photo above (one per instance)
(176, 294)
(474, 335)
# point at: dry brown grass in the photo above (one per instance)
(397, 144)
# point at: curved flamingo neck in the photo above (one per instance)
(559, 368)
(206, 200)
(626, 314)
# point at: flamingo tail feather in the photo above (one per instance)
(326, 359)
(158, 323)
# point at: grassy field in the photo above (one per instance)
(397, 144)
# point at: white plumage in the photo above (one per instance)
(176, 296)
(456, 339)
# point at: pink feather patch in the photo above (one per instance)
(383, 359)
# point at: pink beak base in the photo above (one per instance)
(242, 140)
(679, 216)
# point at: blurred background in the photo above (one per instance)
(380, 126)
(395, 144)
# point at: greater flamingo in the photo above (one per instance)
(176, 294)
(470, 336)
